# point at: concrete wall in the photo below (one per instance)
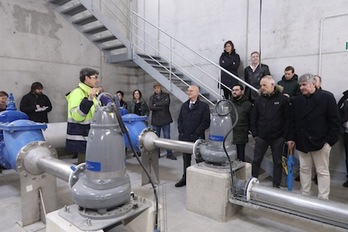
(290, 32)
(40, 45)
(310, 37)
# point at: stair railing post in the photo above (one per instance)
(131, 28)
(171, 61)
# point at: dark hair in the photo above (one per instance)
(87, 72)
(240, 85)
(290, 68)
(120, 92)
(140, 95)
(3, 93)
(255, 52)
(35, 86)
(232, 45)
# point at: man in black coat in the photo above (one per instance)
(268, 123)
(161, 118)
(36, 104)
(194, 119)
(253, 74)
(343, 106)
(314, 127)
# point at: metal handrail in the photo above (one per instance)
(132, 17)
(187, 73)
(198, 54)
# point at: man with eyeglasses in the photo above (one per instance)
(81, 106)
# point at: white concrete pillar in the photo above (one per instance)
(208, 191)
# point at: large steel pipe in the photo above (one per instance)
(150, 141)
(181, 146)
(56, 167)
(38, 157)
(327, 211)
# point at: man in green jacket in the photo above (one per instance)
(240, 130)
(289, 82)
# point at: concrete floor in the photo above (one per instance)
(177, 218)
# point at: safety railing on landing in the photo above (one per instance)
(182, 65)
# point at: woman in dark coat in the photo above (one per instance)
(230, 61)
(138, 105)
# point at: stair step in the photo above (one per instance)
(105, 39)
(166, 74)
(95, 30)
(206, 95)
(59, 2)
(74, 10)
(85, 20)
(147, 57)
(177, 81)
(162, 67)
(113, 47)
(154, 62)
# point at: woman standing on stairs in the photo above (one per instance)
(230, 61)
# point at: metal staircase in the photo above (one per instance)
(126, 37)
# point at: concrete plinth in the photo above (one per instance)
(141, 222)
(208, 191)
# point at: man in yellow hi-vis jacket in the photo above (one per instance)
(81, 106)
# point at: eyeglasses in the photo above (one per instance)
(95, 77)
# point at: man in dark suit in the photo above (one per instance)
(194, 119)
(314, 127)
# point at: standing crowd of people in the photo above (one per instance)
(295, 113)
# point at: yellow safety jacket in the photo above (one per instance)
(80, 115)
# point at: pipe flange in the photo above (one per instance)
(195, 150)
(249, 185)
(32, 168)
(146, 138)
(74, 176)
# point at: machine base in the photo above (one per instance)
(208, 191)
(140, 219)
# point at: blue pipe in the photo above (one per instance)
(16, 131)
(135, 124)
(9, 115)
(18, 134)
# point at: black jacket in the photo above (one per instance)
(343, 108)
(240, 130)
(230, 62)
(159, 105)
(253, 78)
(291, 87)
(192, 123)
(28, 105)
(314, 121)
(269, 116)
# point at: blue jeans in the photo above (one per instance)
(166, 133)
